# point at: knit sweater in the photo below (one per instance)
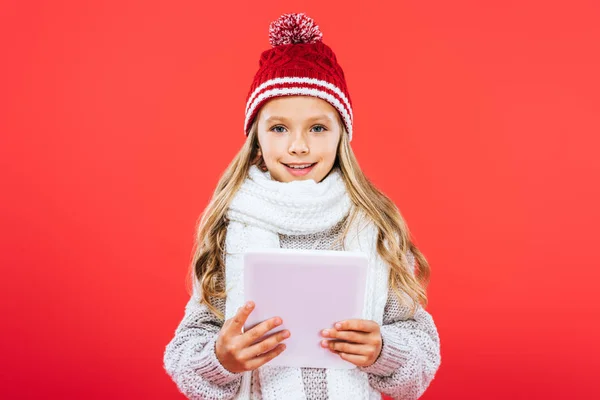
(408, 362)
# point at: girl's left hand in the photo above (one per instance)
(355, 340)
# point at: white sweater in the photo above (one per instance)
(409, 359)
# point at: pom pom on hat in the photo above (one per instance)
(294, 28)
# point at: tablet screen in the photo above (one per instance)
(310, 290)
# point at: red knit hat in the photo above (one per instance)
(298, 64)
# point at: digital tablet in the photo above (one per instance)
(310, 290)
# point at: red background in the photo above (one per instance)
(479, 119)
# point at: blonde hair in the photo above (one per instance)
(393, 240)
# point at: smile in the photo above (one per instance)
(299, 169)
(300, 166)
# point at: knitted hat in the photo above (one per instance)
(298, 64)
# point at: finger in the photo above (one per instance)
(348, 336)
(361, 325)
(265, 345)
(241, 316)
(264, 358)
(354, 359)
(350, 348)
(252, 335)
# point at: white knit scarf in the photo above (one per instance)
(262, 209)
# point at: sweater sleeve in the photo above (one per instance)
(410, 355)
(190, 359)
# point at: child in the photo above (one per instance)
(296, 184)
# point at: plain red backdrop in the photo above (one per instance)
(479, 119)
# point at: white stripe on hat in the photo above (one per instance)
(303, 91)
(314, 81)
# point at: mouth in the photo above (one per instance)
(299, 169)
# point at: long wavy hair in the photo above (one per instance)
(393, 239)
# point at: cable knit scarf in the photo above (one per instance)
(262, 209)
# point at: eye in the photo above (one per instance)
(275, 127)
(320, 126)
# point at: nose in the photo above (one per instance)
(298, 145)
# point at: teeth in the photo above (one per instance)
(299, 166)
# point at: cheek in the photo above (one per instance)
(330, 150)
(274, 149)
(270, 153)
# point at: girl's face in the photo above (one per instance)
(298, 137)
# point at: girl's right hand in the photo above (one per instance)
(237, 351)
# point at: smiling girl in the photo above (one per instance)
(296, 183)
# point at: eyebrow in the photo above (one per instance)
(314, 118)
